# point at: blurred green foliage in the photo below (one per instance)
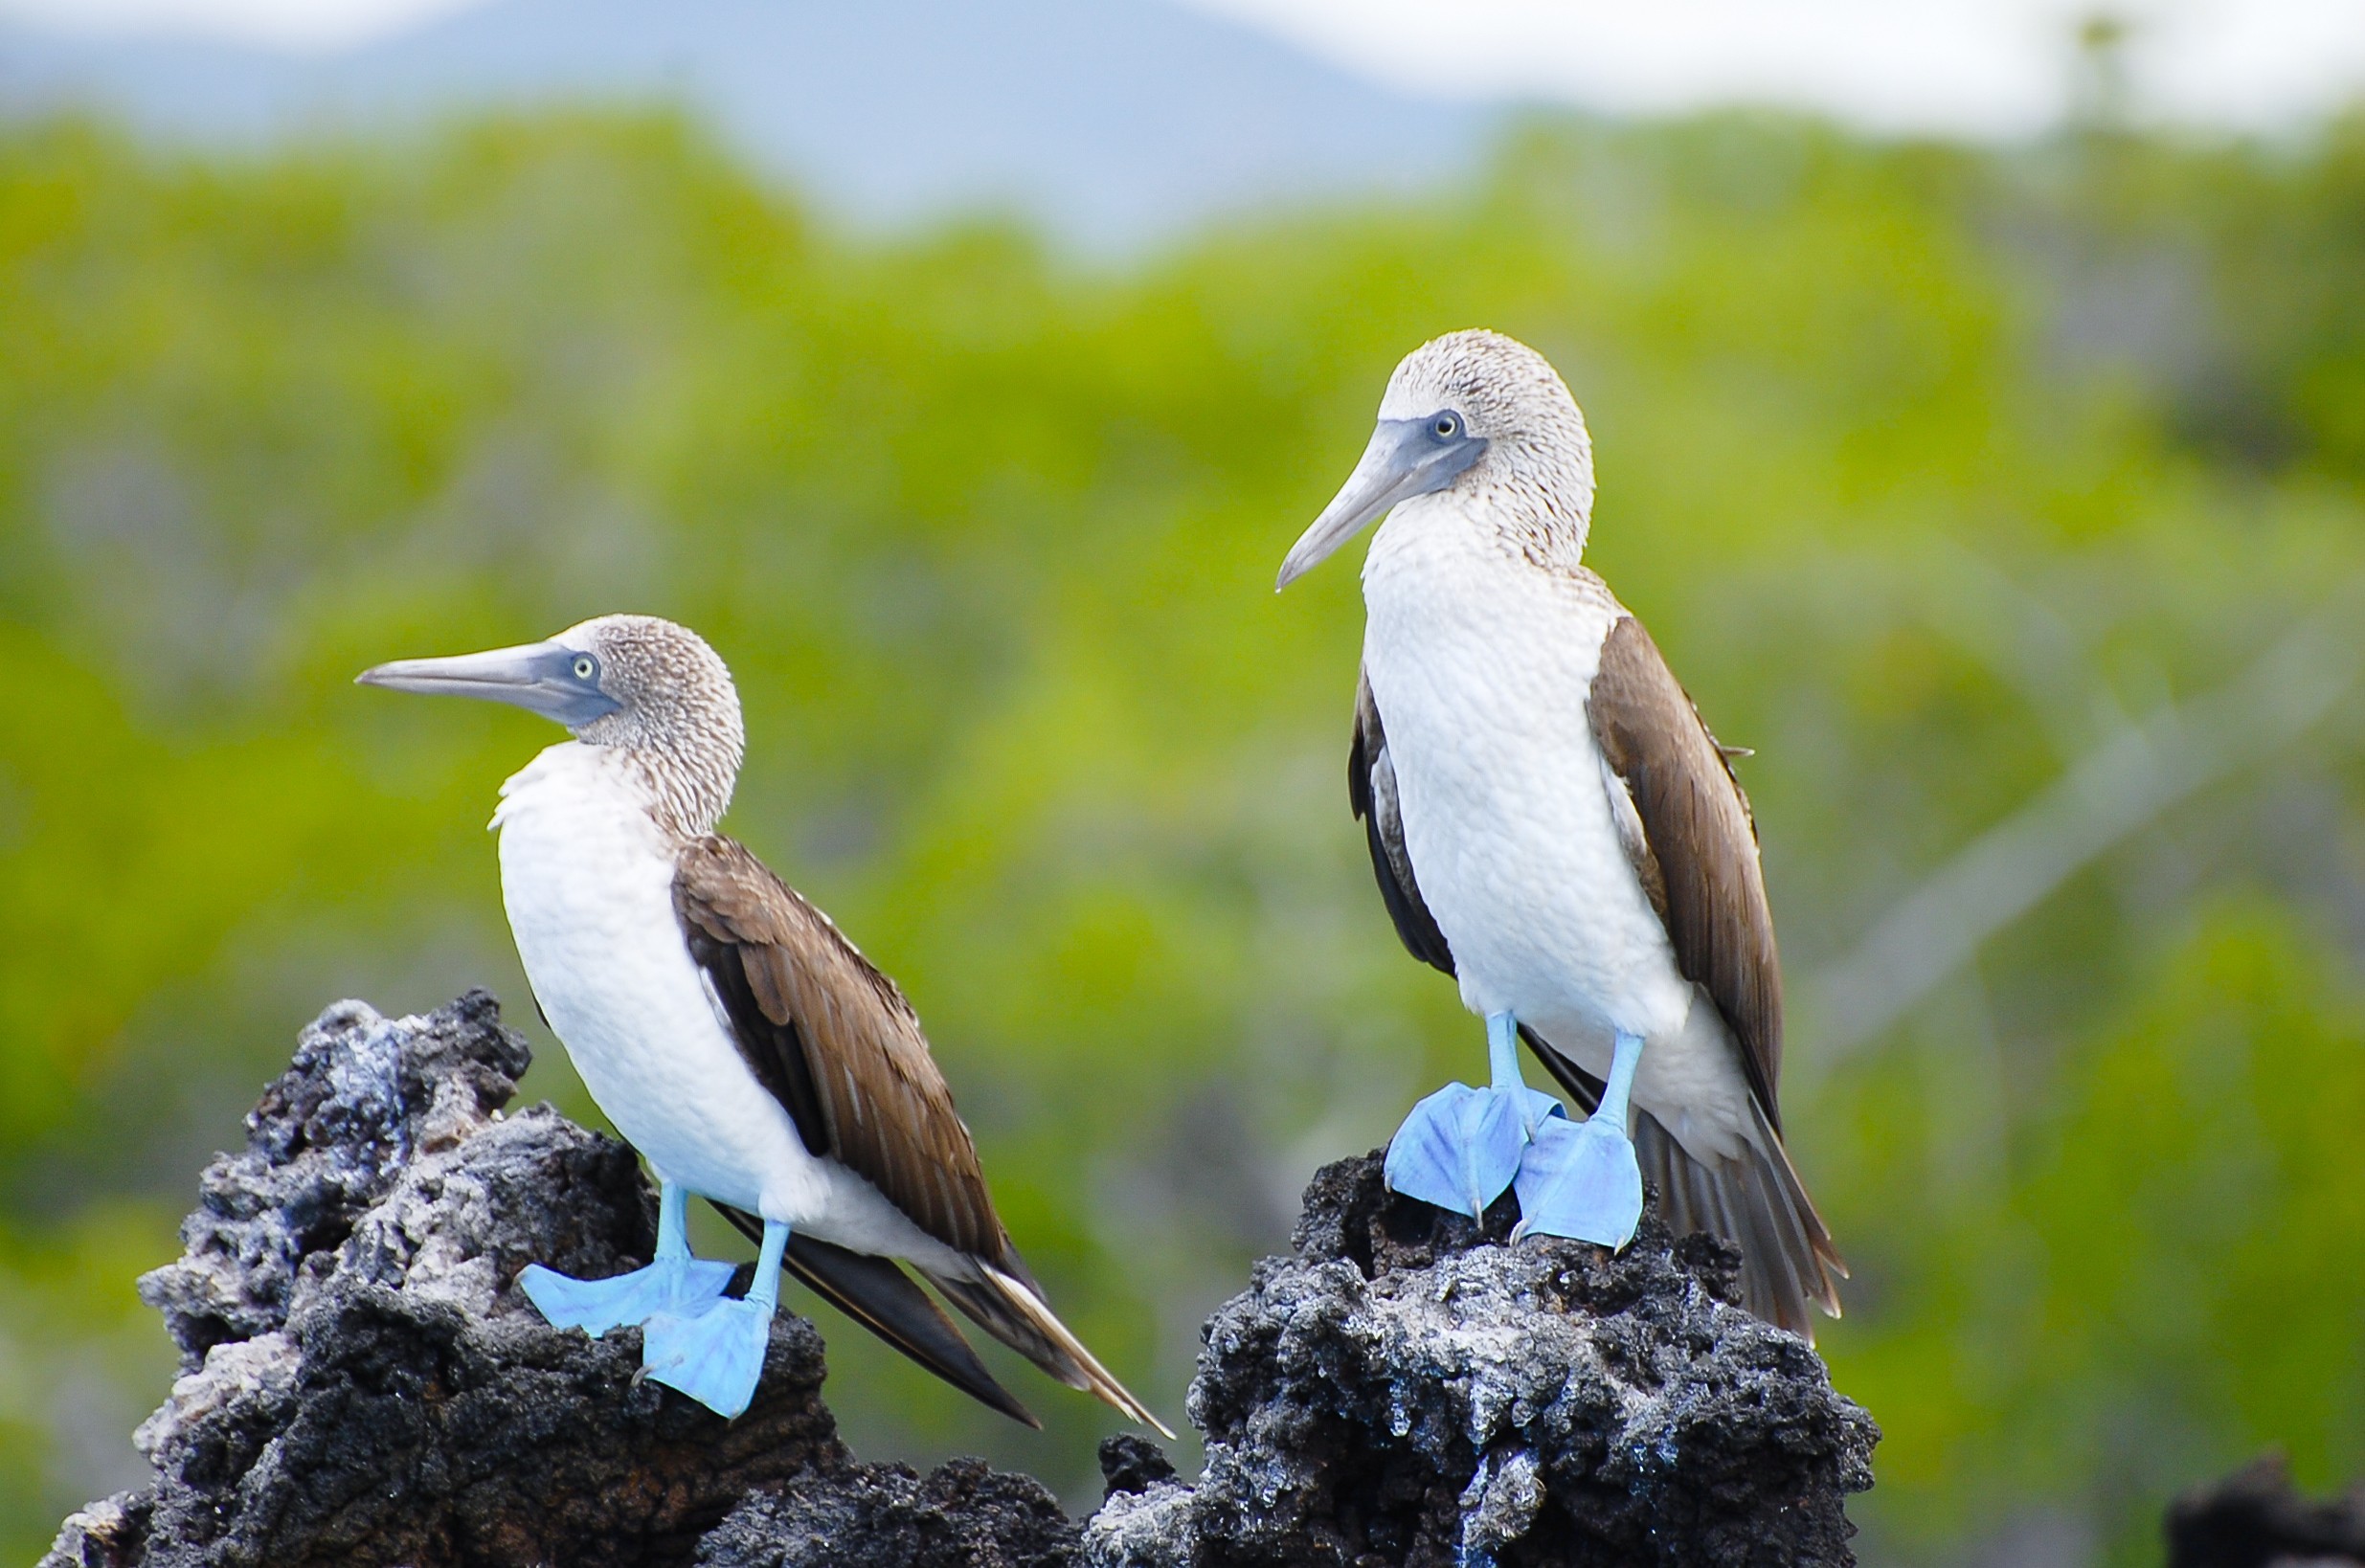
(1933, 469)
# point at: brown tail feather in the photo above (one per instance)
(881, 1297)
(1011, 1310)
(1757, 1202)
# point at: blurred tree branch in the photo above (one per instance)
(2108, 797)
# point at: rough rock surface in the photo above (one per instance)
(362, 1385)
(1407, 1388)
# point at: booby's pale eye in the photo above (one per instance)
(584, 668)
(1446, 426)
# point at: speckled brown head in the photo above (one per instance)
(1474, 411)
(649, 688)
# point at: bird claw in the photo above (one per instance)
(1581, 1179)
(715, 1358)
(670, 1284)
(1462, 1146)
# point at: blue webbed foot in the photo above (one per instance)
(673, 1282)
(716, 1356)
(670, 1284)
(1580, 1178)
(1462, 1146)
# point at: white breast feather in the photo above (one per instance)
(587, 876)
(1480, 661)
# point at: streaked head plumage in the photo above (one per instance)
(667, 684)
(647, 688)
(1507, 394)
(1478, 414)
(677, 711)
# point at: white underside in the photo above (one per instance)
(1480, 661)
(586, 875)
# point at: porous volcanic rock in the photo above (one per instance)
(1410, 1388)
(362, 1383)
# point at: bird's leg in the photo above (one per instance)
(716, 1355)
(1462, 1146)
(673, 1282)
(1503, 1057)
(1581, 1179)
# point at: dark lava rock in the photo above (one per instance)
(1130, 1462)
(1410, 1388)
(362, 1384)
(963, 1515)
(2255, 1519)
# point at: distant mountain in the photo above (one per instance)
(1115, 122)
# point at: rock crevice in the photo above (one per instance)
(362, 1384)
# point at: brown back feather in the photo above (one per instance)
(837, 1043)
(1699, 846)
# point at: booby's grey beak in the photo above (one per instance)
(546, 678)
(1407, 457)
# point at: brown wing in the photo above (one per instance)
(836, 1042)
(1371, 790)
(1697, 852)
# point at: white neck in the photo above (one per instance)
(682, 803)
(573, 777)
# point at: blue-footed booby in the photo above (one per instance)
(747, 1049)
(1553, 824)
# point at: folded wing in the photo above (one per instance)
(840, 1048)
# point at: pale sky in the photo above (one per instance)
(1976, 66)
